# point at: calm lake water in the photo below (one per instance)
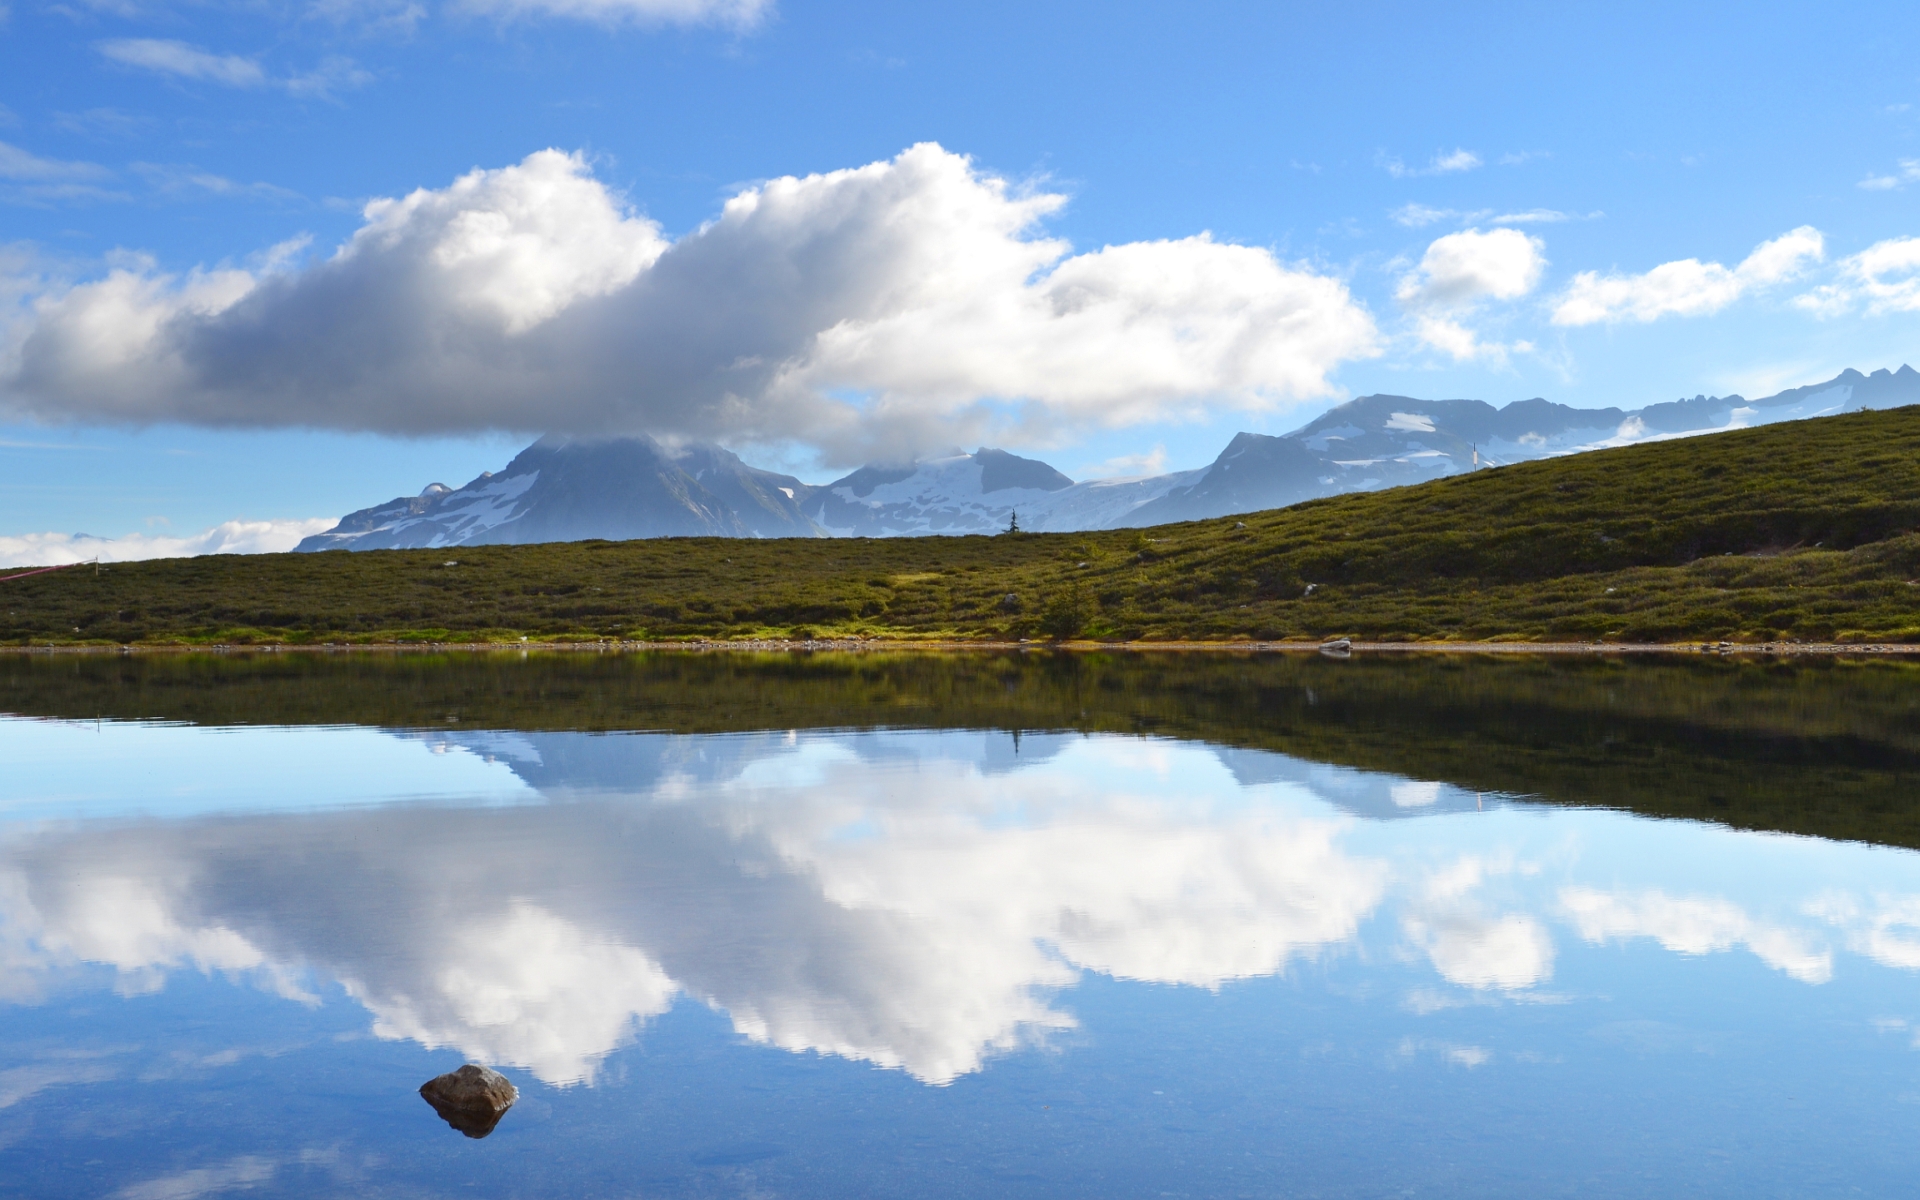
(972, 926)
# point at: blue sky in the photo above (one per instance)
(1577, 157)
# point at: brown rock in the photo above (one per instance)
(472, 1099)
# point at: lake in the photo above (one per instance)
(960, 925)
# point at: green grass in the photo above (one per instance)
(1803, 531)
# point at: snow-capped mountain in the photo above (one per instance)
(955, 493)
(1385, 441)
(978, 493)
(562, 490)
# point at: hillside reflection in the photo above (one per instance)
(917, 900)
(1823, 747)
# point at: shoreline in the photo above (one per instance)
(874, 645)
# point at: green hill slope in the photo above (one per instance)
(1803, 530)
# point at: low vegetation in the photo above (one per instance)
(1803, 531)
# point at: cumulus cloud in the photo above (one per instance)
(1461, 268)
(1885, 277)
(1460, 271)
(872, 311)
(228, 537)
(1687, 287)
(1462, 344)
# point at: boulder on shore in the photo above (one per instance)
(472, 1099)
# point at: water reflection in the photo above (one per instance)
(916, 900)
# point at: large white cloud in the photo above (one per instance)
(1687, 287)
(881, 309)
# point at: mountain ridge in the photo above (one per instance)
(567, 489)
(1807, 532)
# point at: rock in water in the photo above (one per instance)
(472, 1099)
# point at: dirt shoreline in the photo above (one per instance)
(1756, 649)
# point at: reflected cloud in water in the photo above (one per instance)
(920, 901)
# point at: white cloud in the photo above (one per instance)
(1694, 925)
(335, 73)
(874, 311)
(391, 17)
(1687, 287)
(1886, 275)
(1459, 272)
(186, 61)
(739, 14)
(1418, 216)
(1908, 172)
(1537, 216)
(181, 179)
(1443, 163)
(1462, 268)
(228, 537)
(23, 167)
(1462, 344)
(27, 178)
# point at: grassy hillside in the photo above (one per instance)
(1823, 747)
(1794, 531)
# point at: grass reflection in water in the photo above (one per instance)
(1829, 748)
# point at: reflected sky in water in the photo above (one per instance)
(953, 963)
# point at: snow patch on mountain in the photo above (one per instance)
(558, 490)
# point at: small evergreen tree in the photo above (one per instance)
(1013, 521)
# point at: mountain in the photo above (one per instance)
(1386, 441)
(956, 493)
(564, 489)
